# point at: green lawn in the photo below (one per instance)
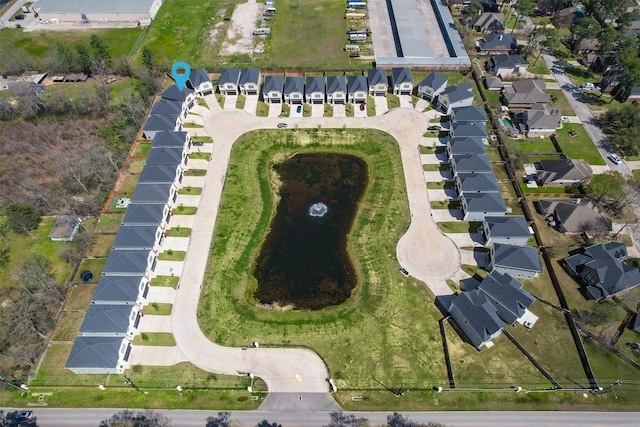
(109, 222)
(141, 149)
(94, 265)
(190, 191)
(459, 227)
(296, 30)
(533, 145)
(171, 281)
(155, 338)
(101, 246)
(171, 255)
(203, 139)
(178, 231)
(195, 172)
(158, 309)
(68, 326)
(80, 297)
(580, 146)
(560, 102)
(22, 246)
(184, 210)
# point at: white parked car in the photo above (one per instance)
(565, 119)
(588, 86)
(258, 50)
(615, 159)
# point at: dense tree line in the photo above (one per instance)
(622, 125)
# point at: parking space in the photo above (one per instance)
(442, 194)
(275, 109)
(317, 110)
(181, 221)
(437, 176)
(405, 101)
(151, 323)
(432, 159)
(251, 104)
(296, 111)
(446, 215)
(193, 181)
(467, 239)
(381, 105)
(230, 101)
(187, 200)
(175, 243)
(430, 142)
(358, 111)
(339, 110)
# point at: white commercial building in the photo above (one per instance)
(142, 11)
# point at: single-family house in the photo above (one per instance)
(200, 82)
(467, 183)
(611, 77)
(229, 81)
(272, 89)
(489, 22)
(573, 215)
(497, 43)
(186, 97)
(455, 96)
(99, 355)
(468, 130)
(468, 114)
(107, 320)
(476, 318)
(464, 146)
(336, 89)
(402, 81)
(250, 81)
(161, 174)
(125, 290)
(141, 214)
(357, 89)
(476, 206)
(130, 263)
(173, 156)
(135, 237)
(507, 65)
(164, 123)
(600, 268)
(538, 121)
(155, 193)
(493, 83)
(525, 93)
(470, 163)
(517, 261)
(431, 86)
(315, 90)
(563, 172)
(172, 140)
(507, 295)
(626, 93)
(169, 108)
(294, 90)
(507, 229)
(65, 228)
(377, 81)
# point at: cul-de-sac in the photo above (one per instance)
(319, 213)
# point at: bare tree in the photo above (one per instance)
(128, 418)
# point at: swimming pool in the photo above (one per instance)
(507, 123)
(580, 9)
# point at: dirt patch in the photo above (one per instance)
(240, 38)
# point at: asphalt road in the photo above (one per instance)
(79, 417)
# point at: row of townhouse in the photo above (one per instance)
(315, 89)
(112, 319)
(480, 315)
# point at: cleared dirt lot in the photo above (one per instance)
(239, 37)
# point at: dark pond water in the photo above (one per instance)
(304, 261)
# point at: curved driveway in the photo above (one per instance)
(423, 250)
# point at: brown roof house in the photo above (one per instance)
(538, 121)
(525, 93)
(563, 172)
(496, 43)
(573, 216)
(490, 22)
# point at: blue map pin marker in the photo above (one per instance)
(180, 79)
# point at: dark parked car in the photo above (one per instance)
(434, 127)
(282, 125)
(21, 16)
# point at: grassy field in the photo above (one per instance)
(560, 102)
(297, 29)
(543, 145)
(579, 146)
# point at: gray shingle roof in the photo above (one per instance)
(498, 41)
(165, 156)
(158, 174)
(161, 123)
(466, 146)
(468, 129)
(144, 214)
(470, 113)
(357, 84)
(563, 170)
(471, 163)
(103, 319)
(172, 93)
(126, 262)
(336, 84)
(377, 76)
(175, 139)
(171, 108)
(508, 61)
(458, 93)
(117, 290)
(575, 216)
(95, 352)
(602, 271)
(293, 84)
(135, 237)
(507, 295)
(507, 226)
(272, 83)
(151, 193)
(249, 75)
(229, 75)
(516, 257)
(483, 182)
(484, 202)
(401, 75)
(198, 76)
(476, 317)
(315, 84)
(434, 81)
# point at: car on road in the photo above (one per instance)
(588, 86)
(299, 109)
(434, 128)
(282, 125)
(363, 106)
(404, 272)
(615, 159)
(21, 16)
(565, 119)
(24, 415)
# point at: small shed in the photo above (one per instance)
(65, 229)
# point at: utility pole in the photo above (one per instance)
(128, 381)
